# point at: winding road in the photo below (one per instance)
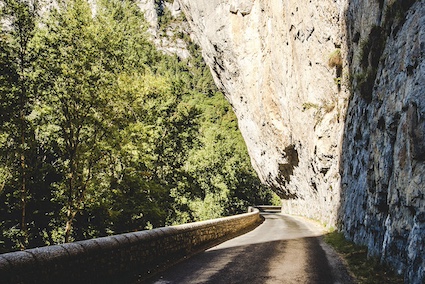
(283, 249)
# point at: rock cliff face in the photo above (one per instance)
(330, 97)
(271, 60)
(383, 154)
(165, 38)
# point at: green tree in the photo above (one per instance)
(117, 136)
(153, 145)
(97, 93)
(216, 177)
(20, 18)
(74, 108)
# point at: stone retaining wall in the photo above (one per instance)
(121, 258)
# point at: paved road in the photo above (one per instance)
(284, 249)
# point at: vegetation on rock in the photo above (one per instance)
(364, 269)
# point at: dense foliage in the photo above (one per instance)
(101, 134)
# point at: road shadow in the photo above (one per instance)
(259, 257)
(248, 264)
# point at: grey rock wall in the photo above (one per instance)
(383, 204)
(343, 144)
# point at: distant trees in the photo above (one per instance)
(102, 134)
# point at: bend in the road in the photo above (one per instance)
(284, 249)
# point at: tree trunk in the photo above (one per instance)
(70, 216)
(24, 229)
(68, 227)
(71, 212)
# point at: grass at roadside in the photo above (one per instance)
(364, 269)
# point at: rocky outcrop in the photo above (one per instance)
(165, 36)
(244, 7)
(330, 100)
(271, 60)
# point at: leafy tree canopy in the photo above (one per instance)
(102, 134)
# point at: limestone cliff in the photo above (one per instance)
(330, 101)
(165, 37)
(271, 60)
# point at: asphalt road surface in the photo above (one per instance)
(283, 249)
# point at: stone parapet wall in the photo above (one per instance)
(121, 258)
